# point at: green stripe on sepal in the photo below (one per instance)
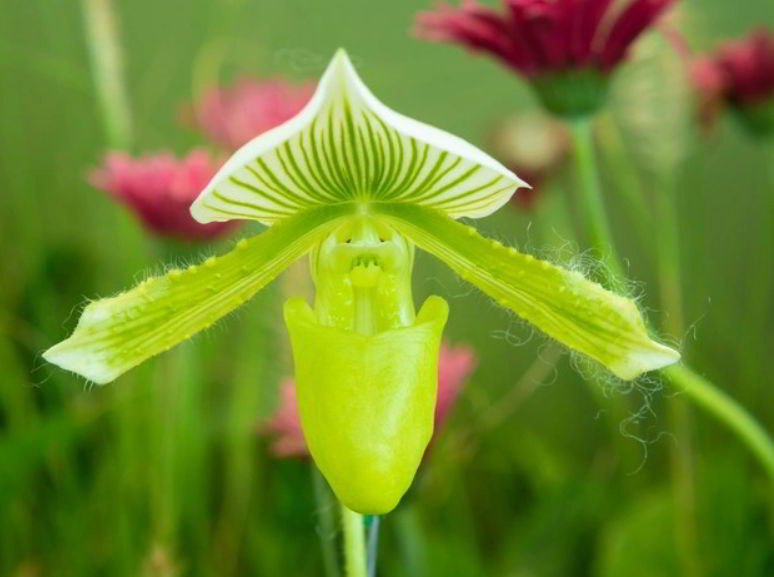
(346, 145)
(564, 304)
(117, 333)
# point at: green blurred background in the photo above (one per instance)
(163, 473)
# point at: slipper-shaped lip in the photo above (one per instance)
(367, 402)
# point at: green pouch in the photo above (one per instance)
(367, 401)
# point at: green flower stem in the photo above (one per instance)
(668, 259)
(592, 203)
(672, 321)
(325, 510)
(373, 545)
(624, 176)
(700, 390)
(106, 61)
(715, 401)
(684, 487)
(354, 543)
(410, 541)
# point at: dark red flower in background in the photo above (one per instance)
(539, 36)
(739, 73)
(159, 189)
(233, 115)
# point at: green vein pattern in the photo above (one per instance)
(348, 153)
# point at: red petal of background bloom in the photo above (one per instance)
(591, 15)
(159, 189)
(635, 18)
(235, 114)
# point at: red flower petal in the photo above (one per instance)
(590, 16)
(159, 189)
(235, 114)
(749, 66)
(635, 18)
(543, 22)
(477, 27)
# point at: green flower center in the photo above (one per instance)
(362, 272)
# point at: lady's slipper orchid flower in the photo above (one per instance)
(455, 364)
(357, 186)
(565, 47)
(234, 114)
(159, 189)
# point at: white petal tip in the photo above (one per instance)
(80, 363)
(340, 56)
(199, 213)
(644, 360)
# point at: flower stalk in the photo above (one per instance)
(107, 65)
(726, 409)
(327, 511)
(680, 414)
(354, 543)
(592, 202)
(373, 545)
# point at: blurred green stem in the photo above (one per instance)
(592, 204)
(325, 510)
(411, 541)
(701, 391)
(595, 225)
(624, 177)
(715, 401)
(373, 545)
(354, 542)
(681, 453)
(668, 260)
(107, 67)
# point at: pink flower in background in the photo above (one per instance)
(160, 188)
(285, 426)
(235, 114)
(739, 73)
(454, 367)
(540, 36)
(748, 65)
(710, 87)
